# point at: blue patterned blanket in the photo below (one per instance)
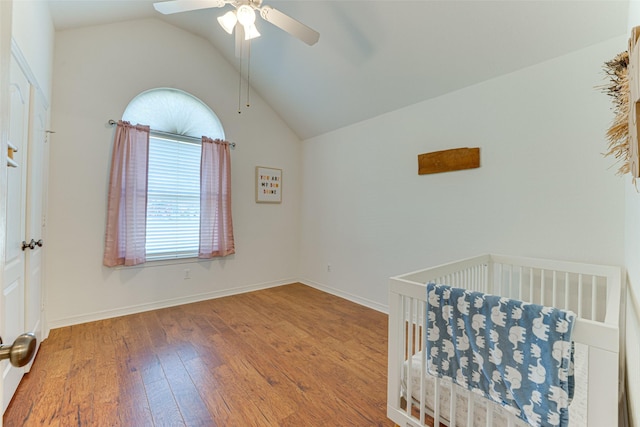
(516, 354)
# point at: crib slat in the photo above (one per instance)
(422, 308)
(452, 406)
(436, 401)
(414, 331)
(555, 289)
(530, 285)
(474, 277)
(593, 297)
(478, 270)
(580, 295)
(542, 287)
(506, 277)
(489, 419)
(406, 311)
(566, 291)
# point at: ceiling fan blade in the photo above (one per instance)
(175, 6)
(290, 25)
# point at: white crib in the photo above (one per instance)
(593, 292)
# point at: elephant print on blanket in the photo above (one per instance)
(516, 354)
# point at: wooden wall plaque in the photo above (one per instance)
(448, 160)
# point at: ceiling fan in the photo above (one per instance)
(242, 19)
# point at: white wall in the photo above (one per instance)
(33, 32)
(632, 262)
(97, 71)
(543, 188)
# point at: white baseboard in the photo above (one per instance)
(353, 298)
(139, 308)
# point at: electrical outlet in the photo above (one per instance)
(187, 273)
(329, 268)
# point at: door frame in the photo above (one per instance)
(6, 8)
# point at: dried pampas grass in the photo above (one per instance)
(618, 89)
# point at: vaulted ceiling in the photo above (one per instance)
(378, 56)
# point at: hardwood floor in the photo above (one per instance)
(286, 356)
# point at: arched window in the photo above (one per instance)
(177, 120)
(174, 111)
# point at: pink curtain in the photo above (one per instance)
(216, 227)
(127, 209)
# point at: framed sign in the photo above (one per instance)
(268, 185)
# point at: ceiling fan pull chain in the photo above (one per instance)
(248, 72)
(240, 83)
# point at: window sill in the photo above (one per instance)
(161, 262)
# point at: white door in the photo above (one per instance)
(5, 55)
(36, 171)
(14, 273)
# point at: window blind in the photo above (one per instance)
(173, 199)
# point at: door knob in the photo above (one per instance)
(30, 245)
(21, 351)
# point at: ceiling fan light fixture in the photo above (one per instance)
(228, 21)
(250, 32)
(246, 15)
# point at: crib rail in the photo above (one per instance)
(591, 291)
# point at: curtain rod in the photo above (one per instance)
(172, 135)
